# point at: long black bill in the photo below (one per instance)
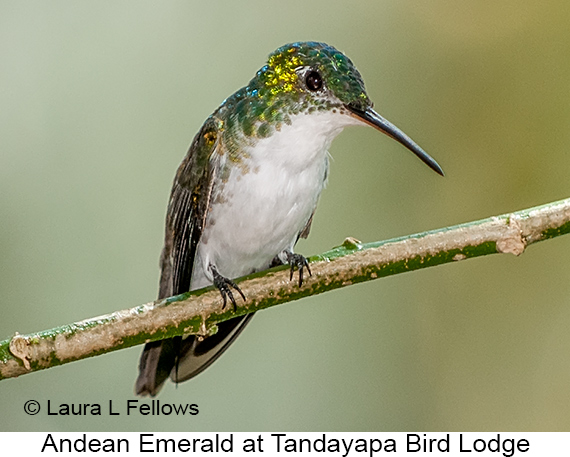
(372, 118)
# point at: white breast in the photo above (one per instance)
(261, 211)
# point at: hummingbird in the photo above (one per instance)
(248, 188)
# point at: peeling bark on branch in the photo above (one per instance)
(352, 262)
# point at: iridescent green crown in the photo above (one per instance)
(279, 91)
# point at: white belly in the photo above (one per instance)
(263, 210)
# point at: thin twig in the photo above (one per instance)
(198, 312)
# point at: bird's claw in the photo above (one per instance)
(225, 286)
(299, 261)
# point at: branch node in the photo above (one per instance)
(20, 348)
(351, 243)
(512, 241)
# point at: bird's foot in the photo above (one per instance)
(299, 261)
(225, 286)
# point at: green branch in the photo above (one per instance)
(198, 312)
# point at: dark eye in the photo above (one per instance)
(313, 81)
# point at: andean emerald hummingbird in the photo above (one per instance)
(249, 186)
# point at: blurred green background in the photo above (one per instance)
(98, 104)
